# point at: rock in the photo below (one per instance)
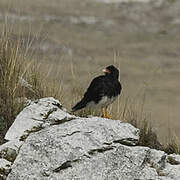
(4, 168)
(34, 117)
(69, 147)
(53, 147)
(174, 159)
(10, 150)
(8, 153)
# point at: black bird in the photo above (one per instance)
(102, 91)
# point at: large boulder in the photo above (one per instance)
(68, 147)
(35, 116)
(63, 146)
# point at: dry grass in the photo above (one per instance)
(16, 64)
(11, 69)
(134, 113)
(92, 49)
(173, 145)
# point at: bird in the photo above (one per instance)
(102, 91)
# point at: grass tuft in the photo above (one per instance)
(20, 79)
(135, 114)
(173, 146)
(10, 70)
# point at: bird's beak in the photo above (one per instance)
(106, 71)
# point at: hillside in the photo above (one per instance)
(73, 40)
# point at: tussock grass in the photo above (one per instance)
(135, 114)
(42, 84)
(132, 110)
(173, 145)
(11, 63)
(21, 78)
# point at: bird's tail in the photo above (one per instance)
(81, 104)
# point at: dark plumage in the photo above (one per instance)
(102, 91)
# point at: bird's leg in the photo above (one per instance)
(106, 114)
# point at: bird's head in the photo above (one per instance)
(111, 71)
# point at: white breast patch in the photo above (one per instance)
(104, 102)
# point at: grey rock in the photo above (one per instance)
(93, 148)
(53, 147)
(36, 116)
(9, 150)
(8, 153)
(4, 168)
(174, 159)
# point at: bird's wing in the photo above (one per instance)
(96, 89)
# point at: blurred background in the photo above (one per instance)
(73, 40)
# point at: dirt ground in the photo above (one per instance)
(76, 39)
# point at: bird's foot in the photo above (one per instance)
(106, 116)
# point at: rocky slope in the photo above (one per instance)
(45, 142)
